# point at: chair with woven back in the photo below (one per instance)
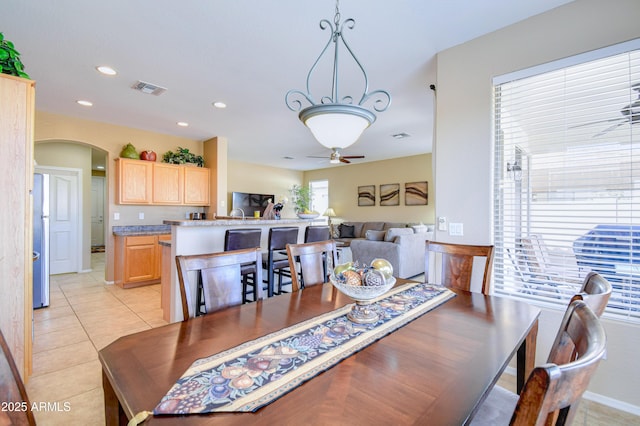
(17, 410)
(315, 259)
(456, 264)
(595, 292)
(221, 278)
(552, 392)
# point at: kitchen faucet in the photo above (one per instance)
(234, 212)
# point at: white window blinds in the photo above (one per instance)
(567, 182)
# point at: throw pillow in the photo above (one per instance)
(375, 235)
(392, 233)
(420, 229)
(346, 231)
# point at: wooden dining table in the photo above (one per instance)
(434, 370)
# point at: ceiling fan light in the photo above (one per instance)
(336, 125)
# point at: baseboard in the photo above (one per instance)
(109, 282)
(85, 271)
(600, 399)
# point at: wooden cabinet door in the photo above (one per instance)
(134, 181)
(196, 186)
(168, 182)
(140, 258)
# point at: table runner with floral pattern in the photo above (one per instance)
(255, 373)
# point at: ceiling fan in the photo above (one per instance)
(336, 157)
(630, 114)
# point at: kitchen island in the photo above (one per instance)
(207, 236)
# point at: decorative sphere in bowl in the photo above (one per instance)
(363, 286)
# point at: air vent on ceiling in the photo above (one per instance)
(148, 88)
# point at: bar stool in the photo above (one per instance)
(275, 261)
(316, 233)
(237, 239)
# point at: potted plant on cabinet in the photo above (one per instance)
(10, 62)
(183, 156)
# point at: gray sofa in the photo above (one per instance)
(402, 244)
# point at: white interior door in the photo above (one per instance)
(97, 211)
(64, 219)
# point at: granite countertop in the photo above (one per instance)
(141, 230)
(250, 221)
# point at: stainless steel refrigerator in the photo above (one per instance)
(40, 240)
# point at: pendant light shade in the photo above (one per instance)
(336, 121)
(336, 125)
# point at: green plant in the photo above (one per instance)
(10, 59)
(182, 156)
(301, 197)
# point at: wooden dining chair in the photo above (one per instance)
(315, 259)
(595, 292)
(17, 410)
(551, 393)
(221, 278)
(457, 264)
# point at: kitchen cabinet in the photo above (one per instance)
(168, 183)
(138, 260)
(17, 96)
(151, 183)
(134, 181)
(196, 186)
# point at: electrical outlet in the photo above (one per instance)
(116, 216)
(141, 215)
(442, 223)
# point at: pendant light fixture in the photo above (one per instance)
(336, 121)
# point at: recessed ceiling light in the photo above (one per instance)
(219, 104)
(103, 69)
(182, 124)
(85, 103)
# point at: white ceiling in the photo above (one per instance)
(248, 54)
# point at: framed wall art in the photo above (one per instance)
(367, 195)
(390, 194)
(416, 194)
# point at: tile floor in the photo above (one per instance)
(85, 315)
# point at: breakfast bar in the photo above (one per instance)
(207, 236)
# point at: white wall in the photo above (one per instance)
(463, 146)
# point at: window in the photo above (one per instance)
(319, 195)
(567, 179)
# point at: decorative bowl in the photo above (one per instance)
(308, 215)
(363, 311)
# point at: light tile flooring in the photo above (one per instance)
(85, 315)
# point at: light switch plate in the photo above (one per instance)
(442, 223)
(456, 230)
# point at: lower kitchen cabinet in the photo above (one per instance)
(138, 260)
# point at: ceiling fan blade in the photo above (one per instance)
(352, 156)
(608, 129)
(344, 160)
(316, 156)
(596, 122)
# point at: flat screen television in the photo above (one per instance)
(250, 202)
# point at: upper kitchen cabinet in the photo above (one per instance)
(151, 183)
(168, 183)
(196, 186)
(134, 181)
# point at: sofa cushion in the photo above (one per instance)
(370, 226)
(375, 235)
(419, 229)
(346, 231)
(392, 233)
(389, 225)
